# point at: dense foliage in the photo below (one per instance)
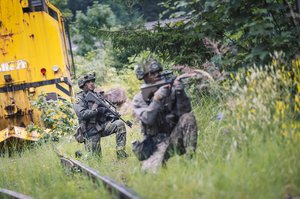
(229, 33)
(265, 104)
(57, 117)
(98, 16)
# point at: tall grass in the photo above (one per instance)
(253, 152)
(37, 172)
(248, 147)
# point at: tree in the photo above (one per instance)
(230, 33)
(127, 11)
(151, 9)
(97, 16)
(62, 5)
(78, 5)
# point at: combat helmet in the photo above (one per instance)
(143, 69)
(85, 78)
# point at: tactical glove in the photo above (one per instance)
(111, 117)
(94, 107)
(178, 86)
(162, 92)
(102, 110)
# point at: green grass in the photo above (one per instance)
(219, 170)
(38, 173)
(252, 153)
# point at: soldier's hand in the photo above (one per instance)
(178, 85)
(111, 117)
(94, 107)
(162, 92)
(102, 110)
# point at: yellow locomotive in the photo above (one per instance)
(35, 58)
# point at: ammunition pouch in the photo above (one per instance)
(99, 127)
(79, 135)
(96, 122)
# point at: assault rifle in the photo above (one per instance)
(166, 78)
(92, 97)
(148, 90)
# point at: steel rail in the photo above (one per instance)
(120, 191)
(12, 194)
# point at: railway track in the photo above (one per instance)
(5, 193)
(117, 190)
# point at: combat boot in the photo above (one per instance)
(78, 154)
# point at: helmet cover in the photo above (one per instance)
(151, 66)
(85, 78)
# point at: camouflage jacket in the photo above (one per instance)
(87, 117)
(161, 116)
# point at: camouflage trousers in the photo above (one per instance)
(183, 139)
(93, 143)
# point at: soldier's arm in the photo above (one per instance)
(146, 113)
(82, 111)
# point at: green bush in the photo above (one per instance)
(57, 116)
(265, 103)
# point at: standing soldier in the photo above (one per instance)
(96, 121)
(167, 123)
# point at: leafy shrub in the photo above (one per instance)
(56, 115)
(248, 146)
(265, 103)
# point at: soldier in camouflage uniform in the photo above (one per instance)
(167, 123)
(95, 121)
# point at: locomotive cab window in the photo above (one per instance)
(35, 6)
(53, 14)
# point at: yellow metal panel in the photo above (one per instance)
(4, 134)
(35, 38)
(29, 41)
(19, 132)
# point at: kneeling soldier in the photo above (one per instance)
(95, 121)
(167, 121)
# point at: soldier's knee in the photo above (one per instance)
(120, 125)
(187, 118)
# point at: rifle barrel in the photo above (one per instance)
(107, 104)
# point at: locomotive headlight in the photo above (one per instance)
(31, 90)
(55, 68)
